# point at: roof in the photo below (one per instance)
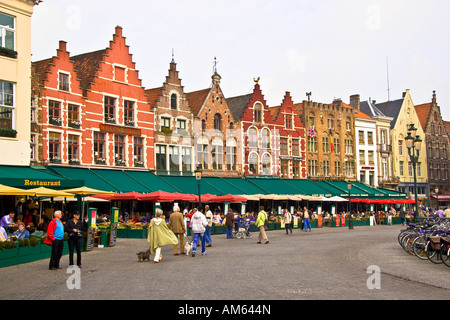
(153, 95)
(86, 65)
(197, 99)
(41, 68)
(370, 109)
(360, 114)
(237, 105)
(423, 112)
(391, 109)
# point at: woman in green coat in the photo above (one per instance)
(159, 235)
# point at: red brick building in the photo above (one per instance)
(292, 139)
(94, 110)
(260, 134)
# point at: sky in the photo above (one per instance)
(331, 48)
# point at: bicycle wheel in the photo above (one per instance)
(434, 256)
(419, 248)
(445, 254)
(406, 242)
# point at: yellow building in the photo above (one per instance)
(404, 114)
(15, 83)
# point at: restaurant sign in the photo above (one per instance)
(120, 130)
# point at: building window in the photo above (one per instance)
(54, 112)
(370, 138)
(284, 146)
(6, 104)
(325, 144)
(295, 147)
(161, 157)
(119, 149)
(174, 158)
(119, 74)
(128, 112)
(371, 157)
(173, 101)
(311, 121)
(326, 168)
(312, 168)
(257, 112)
(7, 32)
(349, 169)
(110, 109)
(138, 151)
(33, 147)
(265, 138)
(99, 147)
(202, 154)
(400, 147)
(64, 81)
(361, 137)
(401, 168)
(54, 146)
(312, 144)
(73, 115)
(181, 124)
(330, 123)
(296, 169)
(217, 122)
(73, 148)
(288, 121)
(253, 163)
(217, 153)
(252, 138)
(348, 146)
(284, 165)
(337, 145)
(362, 157)
(186, 159)
(165, 123)
(231, 154)
(265, 162)
(337, 168)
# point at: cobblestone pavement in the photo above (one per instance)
(327, 263)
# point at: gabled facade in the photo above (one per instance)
(15, 87)
(383, 151)
(404, 113)
(292, 139)
(259, 134)
(216, 135)
(173, 126)
(330, 139)
(94, 109)
(437, 150)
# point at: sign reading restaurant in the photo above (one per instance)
(41, 183)
(120, 130)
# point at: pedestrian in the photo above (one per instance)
(401, 215)
(159, 235)
(260, 223)
(229, 223)
(198, 225)
(178, 227)
(306, 221)
(75, 228)
(55, 238)
(209, 218)
(287, 220)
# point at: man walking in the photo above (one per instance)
(209, 218)
(261, 224)
(176, 224)
(287, 220)
(55, 235)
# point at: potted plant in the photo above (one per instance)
(55, 121)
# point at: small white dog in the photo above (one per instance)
(188, 247)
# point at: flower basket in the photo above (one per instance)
(55, 121)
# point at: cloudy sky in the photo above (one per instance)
(332, 48)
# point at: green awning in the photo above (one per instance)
(274, 185)
(91, 180)
(151, 181)
(32, 177)
(310, 187)
(122, 181)
(189, 185)
(244, 185)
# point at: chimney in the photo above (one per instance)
(62, 45)
(355, 101)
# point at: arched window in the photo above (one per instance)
(252, 138)
(265, 138)
(217, 153)
(253, 163)
(173, 101)
(265, 161)
(218, 122)
(257, 112)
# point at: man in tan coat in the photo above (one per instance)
(176, 224)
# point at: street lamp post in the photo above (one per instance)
(350, 221)
(436, 191)
(414, 143)
(198, 176)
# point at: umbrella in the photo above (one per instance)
(230, 198)
(186, 197)
(46, 192)
(87, 191)
(160, 196)
(127, 196)
(6, 190)
(87, 199)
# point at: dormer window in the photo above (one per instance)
(257, 113)
(217, 122)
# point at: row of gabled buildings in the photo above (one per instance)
(91, 110)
